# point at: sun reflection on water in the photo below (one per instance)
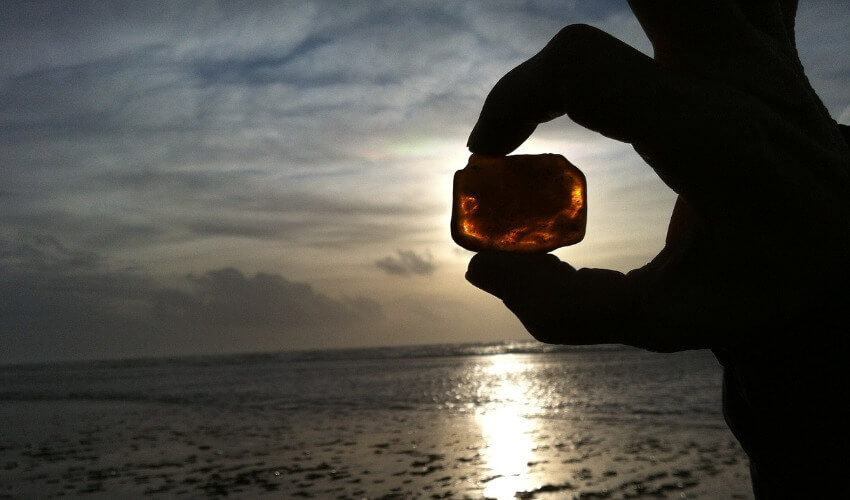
(506, 428)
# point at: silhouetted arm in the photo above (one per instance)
(725, 116)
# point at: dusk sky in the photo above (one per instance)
(209, 177)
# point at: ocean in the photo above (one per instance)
(499, 420)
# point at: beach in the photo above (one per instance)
(486, 421)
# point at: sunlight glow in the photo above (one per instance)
(507, 430)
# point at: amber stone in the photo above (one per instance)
(520, 203)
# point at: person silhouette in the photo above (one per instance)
(756, 261)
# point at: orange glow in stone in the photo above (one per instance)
(520, 203)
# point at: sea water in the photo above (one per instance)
(496, 420)
(600, 382)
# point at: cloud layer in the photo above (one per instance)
(57, 303)
(189, 175)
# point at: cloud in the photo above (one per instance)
(227, 297)
(148, 128)
(844, 117)
(37, 251)
(821, 31)
(57, 303)
(407, 263)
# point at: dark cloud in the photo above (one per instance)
(35, 251)
(226, 297)
(56, 303)
(407, 263)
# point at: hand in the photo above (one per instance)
(759, 238)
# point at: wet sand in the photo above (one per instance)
(115, 449)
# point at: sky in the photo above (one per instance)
(214, 177)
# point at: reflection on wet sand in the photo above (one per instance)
(536, 426)
(506, 429)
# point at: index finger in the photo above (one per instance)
(595, 79)
(605, 85)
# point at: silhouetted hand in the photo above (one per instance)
(759, 236)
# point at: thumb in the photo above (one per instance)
(555, 302)
(507, 274)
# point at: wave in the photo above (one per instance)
(348, 354)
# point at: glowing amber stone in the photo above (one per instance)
(520, 203)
